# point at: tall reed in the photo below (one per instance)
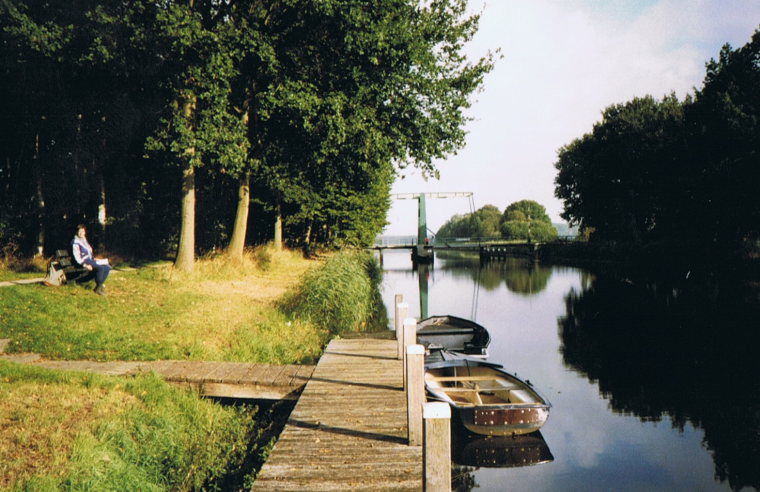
(341, 295)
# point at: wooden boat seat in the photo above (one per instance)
(521, 396)
(462, 378)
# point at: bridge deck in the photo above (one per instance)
(348, 430)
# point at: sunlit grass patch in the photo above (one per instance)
(224, 310)
(69, 431)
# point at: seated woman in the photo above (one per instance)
(82, 252)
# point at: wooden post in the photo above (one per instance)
(415, 392)
(409, 337)
(436, 451)
(402, 311)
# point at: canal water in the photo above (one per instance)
(655, 385)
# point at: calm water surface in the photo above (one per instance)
(653, 388)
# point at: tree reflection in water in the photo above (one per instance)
(521, 276)
(685, 351)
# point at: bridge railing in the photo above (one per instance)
(381, 241)
(453, 242)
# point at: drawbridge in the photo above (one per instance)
(422, 251)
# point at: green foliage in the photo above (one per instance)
(673, 170)
(619, 178)
(342, 295)
(484, 222)
(321, 101)
(527, 220)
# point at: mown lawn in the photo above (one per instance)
(80, 432)
(221, 311)
(75, 432)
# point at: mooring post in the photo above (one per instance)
(402, 311)
(436, 451)
(415, 392)
(409, 337)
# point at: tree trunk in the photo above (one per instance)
(39, 199)
(278, 227)
(101, 182)
(102, 215)
(186, 252)
(237, 243)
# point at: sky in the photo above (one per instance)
(563, 62)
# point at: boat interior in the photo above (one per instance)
(478, 386)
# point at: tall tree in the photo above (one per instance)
(484, 223)
(200, 127)
(341, 91)
(527, 220)
(725, 139)
(619, 179)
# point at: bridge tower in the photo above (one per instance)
(423, 251)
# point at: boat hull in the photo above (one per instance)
(485, 398)
(454, 334)
(506, 420)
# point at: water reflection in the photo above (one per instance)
(499, 451)
(653, 383)
(520, 275)
(684, 351)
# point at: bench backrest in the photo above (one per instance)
(69, 266)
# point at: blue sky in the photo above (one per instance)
(563, 62)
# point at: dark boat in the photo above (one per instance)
(454, 335)
(486, 399)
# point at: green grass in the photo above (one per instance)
(219, 312)
(62, 431)
(8, 275)
(76, 432)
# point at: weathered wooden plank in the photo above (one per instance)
(252, 391)
(218, 379)
(212, 372)
(348, 429)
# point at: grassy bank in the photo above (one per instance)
(74, 432)
(221, 311)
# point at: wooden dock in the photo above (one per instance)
(348, 431)
(214, 379)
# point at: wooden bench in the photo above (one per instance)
(64, 269)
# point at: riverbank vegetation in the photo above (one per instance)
(674, 177)
(174, 127)
(524, 220)
(77, 432)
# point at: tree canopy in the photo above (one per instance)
(484, 222)
(131, 115)
(524, 220)
(654, 170)
(527, 220)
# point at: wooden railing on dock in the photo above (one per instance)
(348, 430)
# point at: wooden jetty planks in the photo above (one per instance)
(209, 378)
(348, 430)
